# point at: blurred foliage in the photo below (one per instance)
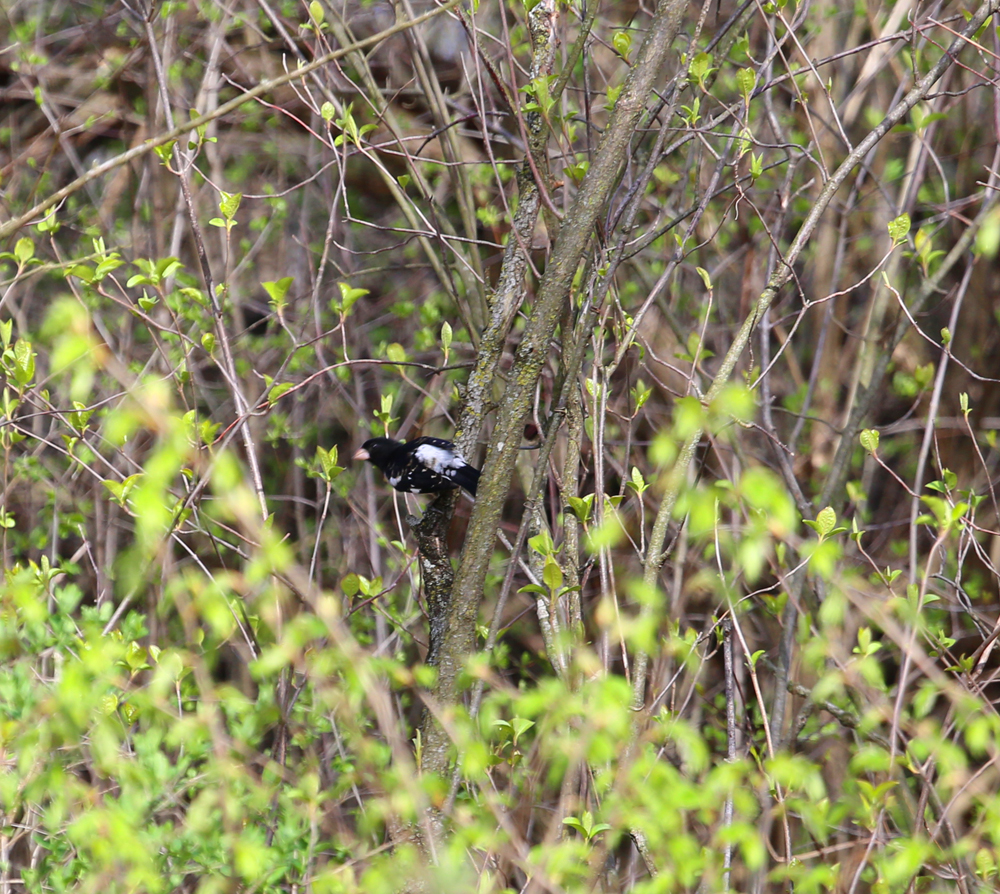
(212, 624)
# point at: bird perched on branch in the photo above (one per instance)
(420, 466)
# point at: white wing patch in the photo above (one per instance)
(438, 460)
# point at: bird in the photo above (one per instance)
(420, 466)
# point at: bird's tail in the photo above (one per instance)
(468, 477)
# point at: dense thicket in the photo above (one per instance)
(708, 291)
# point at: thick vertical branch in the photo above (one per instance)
(574, 235)
(436, 571)
(436, 568)
(508, 295)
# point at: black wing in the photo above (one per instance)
(431, 465)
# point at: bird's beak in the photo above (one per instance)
(361, 454)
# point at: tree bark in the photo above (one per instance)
(574, 236)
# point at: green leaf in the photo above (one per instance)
(692, 114)
(899, 228)
(348, 296)
(521, 725)
(700, 69)
(446, 338)
(542, 544)
(869, 439)
(582, 507)
(326, 467)
(576, 172)
(80, 416)
(552, 575)
(49, 224)
(24, 361)
(277, 290)
(533, 588)
(622, 42)
(135, 656)
(988, 237)
(230, 204)
(121, 490)
(24, 250)
(640, 394)
(636, 481)
(351, 584)
(924, 375)
(826, 521)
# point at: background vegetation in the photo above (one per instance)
(710, 293)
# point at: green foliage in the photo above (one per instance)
(214, 636)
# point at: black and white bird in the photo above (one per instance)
(420, 466)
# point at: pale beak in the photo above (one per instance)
(361, 454)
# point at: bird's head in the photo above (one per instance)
(375, 449)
